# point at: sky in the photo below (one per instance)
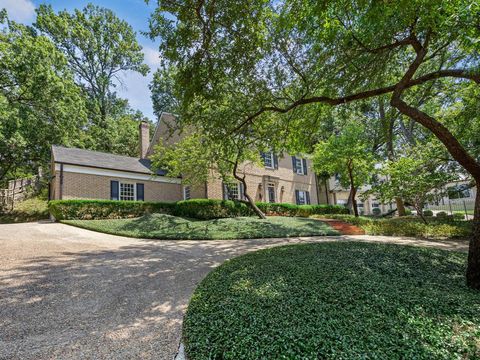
(135, 12)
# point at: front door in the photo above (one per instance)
(271, 192)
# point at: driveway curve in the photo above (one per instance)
(69, 293)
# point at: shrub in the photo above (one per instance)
(442, 215)
(458, 216)
(427, 213)
(282, 209)
(408, 212)
(376, 211)
(105, 209)
(206, 209)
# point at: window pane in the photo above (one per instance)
(186, 193)
(299, 165)
(301, 198)
(127, 191)
(233, 191)
(268, 160)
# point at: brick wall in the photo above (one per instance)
(86, 186)
(286, 181)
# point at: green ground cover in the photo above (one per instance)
(163, 226)
(339, 300)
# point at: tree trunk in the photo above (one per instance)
(250, 201)
(353, 193)
(400, 207)
(473, 267)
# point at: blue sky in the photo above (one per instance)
(135, 12)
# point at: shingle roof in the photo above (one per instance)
(74, 156)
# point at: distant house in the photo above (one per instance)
(84, 174)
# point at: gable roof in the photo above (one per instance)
(97, 159)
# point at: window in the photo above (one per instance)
(303, 197)
(271, 192)
(186, 193)
(127, 191)
(233, 191)
(299, 165)
(268, 160)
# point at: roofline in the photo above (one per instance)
(150, 146)
(105, 168)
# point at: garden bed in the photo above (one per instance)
(338, 300)
(163, 226)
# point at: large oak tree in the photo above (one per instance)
(273, 56)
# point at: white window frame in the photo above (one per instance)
(187, 193)
(299, 169)
(300, 192)
(271, 158)
(122, 196)
(236, 192)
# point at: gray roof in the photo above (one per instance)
(97, 159)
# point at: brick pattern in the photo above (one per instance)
(86, 186)
(285, 181)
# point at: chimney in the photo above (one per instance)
(144, 135)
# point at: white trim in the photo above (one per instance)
(120, 183)
(116, 173)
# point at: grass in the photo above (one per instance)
(338, 300)
(33, 209)
(162, 226)
(409, 226)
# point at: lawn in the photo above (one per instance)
(33, 209)
(162, 226)
(409, 226)
(338, 300)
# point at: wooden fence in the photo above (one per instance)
(17, 190)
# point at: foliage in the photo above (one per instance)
(376, 211)
(437, 228)
(105, 209)
(412, 178)
(427, 213)
(195, 208)
(99, 47)
(40, 104)
(33, 209)
(162, 226)
(335, 300)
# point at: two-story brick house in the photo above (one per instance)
(84, 174)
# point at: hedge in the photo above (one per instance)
(204, 209)
(105, 209)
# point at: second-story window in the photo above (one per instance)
(268, 160)
(299, 165)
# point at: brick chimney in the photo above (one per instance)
(144, 136)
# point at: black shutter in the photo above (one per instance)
(140, 192)
(241, 191)
(275, 161)
(297, 197)
(294, 164)
(114, 191)
(304, 166)
(262, 155)
(225, 191)
(307, 195)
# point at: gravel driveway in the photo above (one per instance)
(69, 293)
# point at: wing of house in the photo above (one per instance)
(85, 174)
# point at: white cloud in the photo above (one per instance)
(152, 57)
(19, 10)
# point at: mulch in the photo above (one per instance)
(344, 228)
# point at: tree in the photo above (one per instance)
(276, 57)
(412, 178)
(347, 155)
(99, 47)
(198, 160)
(40, 104)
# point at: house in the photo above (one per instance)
(85, 174)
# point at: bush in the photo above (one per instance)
(376, 211)
(207, 209)
(442, 215)
(458, 216)
(427, 213)
(105, 209)
(204, 209)
(410, 226)
(408, 212)
(282, 209)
